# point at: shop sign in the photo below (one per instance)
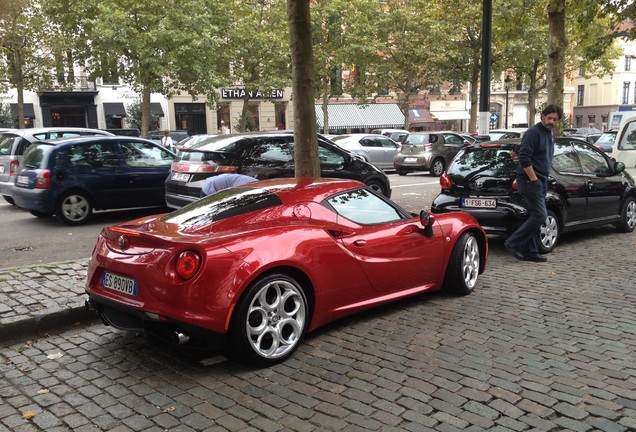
(240, 94)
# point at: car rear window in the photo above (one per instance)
(484, 161)
(420, 139)
(222, 205)
(37, 155)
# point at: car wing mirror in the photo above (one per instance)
(427, 220)
(619, 167)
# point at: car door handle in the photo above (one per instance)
(360, 243)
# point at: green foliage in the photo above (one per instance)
(6, 118)
(134, 116)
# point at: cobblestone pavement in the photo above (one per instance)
(538, 347)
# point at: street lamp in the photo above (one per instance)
(507, 82)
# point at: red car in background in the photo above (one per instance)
(250, 269)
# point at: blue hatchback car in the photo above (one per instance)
(71, 177)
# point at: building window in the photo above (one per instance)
(625, 99)
(628, 63)
(579, 95)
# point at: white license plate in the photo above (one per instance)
(119, 283)
(1, 169)
(23, 180)
(410, 160)
(180, 176)
(479, 202)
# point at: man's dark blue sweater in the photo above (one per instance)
(537, 149)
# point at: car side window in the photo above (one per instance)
(628, 138)
(363, 207)
(453, 139)
(63, 134)
(329, 157)
(386, 143)
(22, 146)
(369, 142)
(565, 159)
(271, 150)
(142, 154)
(592, 161)
(93, 155)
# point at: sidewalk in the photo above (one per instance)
(41, 298)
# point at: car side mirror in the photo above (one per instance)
(427, 220)
(466, 143)
(619, 167)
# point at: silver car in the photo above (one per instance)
(14, 142)
(376, 149)
(428, 151)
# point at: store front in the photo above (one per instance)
(72, 109)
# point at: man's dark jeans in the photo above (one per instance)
(526, 238)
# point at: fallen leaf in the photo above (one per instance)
(169, 409)
(54, 356)
(28, 414)
(551, 273)
(43, 391)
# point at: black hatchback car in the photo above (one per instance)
(262, 156)
(585, 189)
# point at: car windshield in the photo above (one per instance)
(36, 155)
(222, 205)
(483, 162)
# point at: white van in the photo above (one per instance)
(624, 149)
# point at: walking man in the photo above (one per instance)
(535, 160)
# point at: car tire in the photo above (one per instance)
(628, 216)
(377, 187)
(271, 320)
(437, 167)
(463, 266)
(74, 208)
(41, 215)
(8, 199)
(402, 171)
(550, 231)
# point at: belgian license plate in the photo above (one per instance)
(119, 283)
(479, 202)
(23, 180)
(410, 160)
(180, 176)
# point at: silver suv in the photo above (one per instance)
(14, 142)
(428, 151)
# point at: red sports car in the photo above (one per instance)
(250, 269)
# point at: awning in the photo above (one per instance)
(354, 116)
(451, 115)
(155, 108)
(29, 112)
(420, 115)
(114, 109)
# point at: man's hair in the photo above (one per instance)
(552, 108)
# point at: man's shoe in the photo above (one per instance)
(515, 253)
(536, 258)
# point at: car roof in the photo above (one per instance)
(293, 189)
(91, 138)
(33, 131)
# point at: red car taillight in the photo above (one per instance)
(13, 167)
(43, 180)
(514, 185)
(445, 182)
(188, 264)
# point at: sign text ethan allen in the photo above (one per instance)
(240, 94)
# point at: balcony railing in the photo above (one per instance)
(78, 84)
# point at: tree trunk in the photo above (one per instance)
(145, 110)
(302, 57)
(325, 115)
(557, 44)
(244, 110)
